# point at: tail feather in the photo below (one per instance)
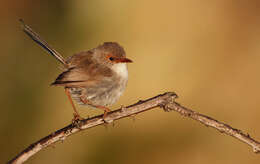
(35, 37)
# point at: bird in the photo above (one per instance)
(96, 78)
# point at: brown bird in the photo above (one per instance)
(96, 78)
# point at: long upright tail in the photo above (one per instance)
(35, 37)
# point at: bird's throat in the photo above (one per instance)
(121, 70)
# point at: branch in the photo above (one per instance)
(165, 101)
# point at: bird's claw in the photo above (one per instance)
(77, 120)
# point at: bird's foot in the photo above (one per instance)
(106, 111)
(77, 119)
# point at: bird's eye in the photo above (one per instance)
(111, 58)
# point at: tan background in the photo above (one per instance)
(206, 51)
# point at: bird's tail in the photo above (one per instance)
(35, 37)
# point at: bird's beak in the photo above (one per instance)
(123, 60)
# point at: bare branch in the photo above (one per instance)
(166, 101)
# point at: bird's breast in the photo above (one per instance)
(106, 92)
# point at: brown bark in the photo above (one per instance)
(165, 101)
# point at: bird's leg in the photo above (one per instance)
(106, 110)
(76, 115)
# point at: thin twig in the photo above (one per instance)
(166, 101)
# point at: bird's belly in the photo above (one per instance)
(103, 95)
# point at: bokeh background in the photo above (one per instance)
(208, 52)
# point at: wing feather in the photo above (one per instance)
(83, 75)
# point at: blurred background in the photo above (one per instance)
(206, 51)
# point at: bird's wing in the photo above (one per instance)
(83, 76)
